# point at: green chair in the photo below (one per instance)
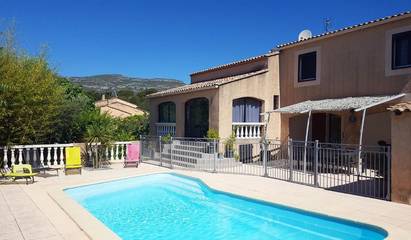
(22, 171)
(73, 159)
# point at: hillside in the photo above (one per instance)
(109, 82)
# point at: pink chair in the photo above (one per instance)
(133, 155)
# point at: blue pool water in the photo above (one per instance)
(169, 206)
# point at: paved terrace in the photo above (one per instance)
(34, 212)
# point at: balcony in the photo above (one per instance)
(163, 129)
(247, 130)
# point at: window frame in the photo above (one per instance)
(300, 63)
(389, 70)
(296, 74)
(393, 50)
(168, 105)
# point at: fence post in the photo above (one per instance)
(140, 152)
(290, 158)
(215, 156)
(316, 164)
(161, 151)
(265, 157)
(171, 152)
(388, 174)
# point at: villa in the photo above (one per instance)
(225, 98)
(349, 89)
(311, 140)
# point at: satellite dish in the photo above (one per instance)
(305, 34)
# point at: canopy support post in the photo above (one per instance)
(359, 168)
(306, 139)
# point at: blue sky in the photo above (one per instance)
(172, 38)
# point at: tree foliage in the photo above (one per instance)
(31, 98)
(38, 106)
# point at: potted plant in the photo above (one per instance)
(229, 146)
(213, 137)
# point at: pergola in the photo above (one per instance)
(355, 104)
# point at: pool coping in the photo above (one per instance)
(95, 229)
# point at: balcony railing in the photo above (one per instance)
(163, 129)
(247, 129)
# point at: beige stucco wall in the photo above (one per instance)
(351, 64)
(401, 157)
(262, 87)
(180, 100)
(248, 66)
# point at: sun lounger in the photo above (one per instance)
(133, 155)
(73, 159)
(23, 171)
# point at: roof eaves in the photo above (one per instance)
(230, 64)
(212, 84)
(346, 29)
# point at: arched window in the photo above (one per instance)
(246, 110)
(167, 112)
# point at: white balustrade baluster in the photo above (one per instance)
(13, 157)
(237, 131)
(28, 155)
(112, 153)
(42, 156)
(258, 131)
(61, 163)
(20, 157)
(116, 156)
(48, 156)
(35, 156)
(247, 131)
(241, 131)
(253, 132)
(5, 158)
(55, 156)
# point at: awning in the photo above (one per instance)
(338, 104)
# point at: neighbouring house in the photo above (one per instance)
(228, 98)
(341, 86)
(116, 107)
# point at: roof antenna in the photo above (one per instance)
(327, 24)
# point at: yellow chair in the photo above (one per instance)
(21, 171)
(73, 159)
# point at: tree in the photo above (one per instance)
(31, 99)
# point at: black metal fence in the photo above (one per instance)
(344, 168)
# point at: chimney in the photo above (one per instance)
(103, 97)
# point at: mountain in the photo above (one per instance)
(108, 82)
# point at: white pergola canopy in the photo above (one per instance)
(337, 104)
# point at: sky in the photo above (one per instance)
(171, 39)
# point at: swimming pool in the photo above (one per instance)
(170, 206)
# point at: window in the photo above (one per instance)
(401, 50)
(246, 110)
(276, 102)
(167, 112)
(307, 66)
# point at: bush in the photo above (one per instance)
(212, 134)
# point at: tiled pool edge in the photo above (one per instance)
(90, 225)
(393, 231)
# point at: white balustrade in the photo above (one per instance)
(50, 154)
(53, 154)
(163, 129)
(247, 130)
